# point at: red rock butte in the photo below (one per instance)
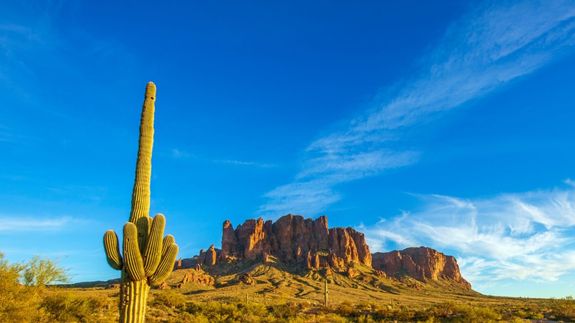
(291, 240)
(421, 263)
(310, 244)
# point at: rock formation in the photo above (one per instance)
(229, 240)
(246, 279)
(310, 244)
(197, 276)
(209, 257)
(423, 264)
(292, 240)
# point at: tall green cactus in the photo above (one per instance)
(325, 292)
(148, 257)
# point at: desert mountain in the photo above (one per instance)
(307, 246)
(423, 264)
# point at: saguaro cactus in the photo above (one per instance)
(325, 292)
(147, 257)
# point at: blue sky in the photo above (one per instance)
(440, 124)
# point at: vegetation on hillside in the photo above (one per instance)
(21, 303)
(26, 295)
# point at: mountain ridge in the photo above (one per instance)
(307, 245)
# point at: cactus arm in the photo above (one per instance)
(112, 248)
(166, 265)
(153, 251)
(143, 225)
(141, 192)
(168, 241)
(133, 263)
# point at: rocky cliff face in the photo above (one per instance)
(293, 239)
(421, 263)
(208, 257)
(309, 243)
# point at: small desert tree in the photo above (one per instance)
(15, 299)
(41, 272)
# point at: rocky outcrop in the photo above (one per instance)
(251, 239)
(208, 257)
(423, 264)
(348, 244)
(246, 279)
(310, 244)
(229, 240)
(197, 276)
(293, 240)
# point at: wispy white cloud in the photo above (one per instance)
(177, 153)
(522, 236)
(352, 166)
(30, 252)
(307, 195)
(485, 50)
(244, 163)
(9, 224)
(314, 187)
(569, 182)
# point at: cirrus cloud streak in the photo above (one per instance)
(485, 50)
(519, 236)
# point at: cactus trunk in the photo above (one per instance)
(133, 298)
(134, 293)
(147, 257)
(141, 193)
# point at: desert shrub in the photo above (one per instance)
(480, 314)
(331, 318)
(66, 307)
(285, 311)
(447, 312)
(563, 310)
(399, 312)
(187, 317)
(365, 318)
(228, 312)
(170, 299)
(17, 302)
(345, 309)
(254, 310)
(42, 272)
(463, 313)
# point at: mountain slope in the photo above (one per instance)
(293, 257)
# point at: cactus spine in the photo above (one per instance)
(147, 257)
(325, 292)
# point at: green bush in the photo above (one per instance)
(17, 302)
(229, 312)
(42, 272)
(169, 299)
(66, 307)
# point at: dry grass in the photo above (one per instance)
(280, 296)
